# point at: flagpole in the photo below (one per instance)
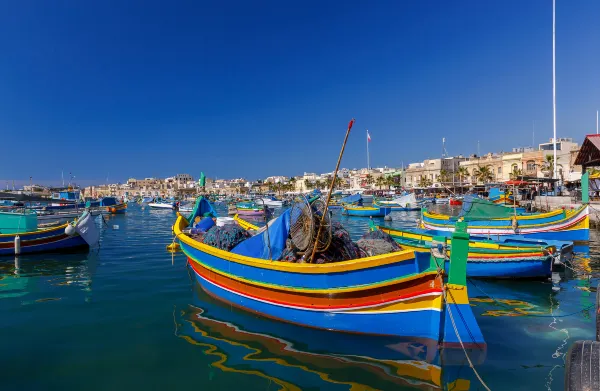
(368, 158)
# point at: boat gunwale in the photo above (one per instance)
(38, 231)
(304, 268)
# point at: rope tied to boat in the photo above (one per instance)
(460, 339)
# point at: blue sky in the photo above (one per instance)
(238, 88)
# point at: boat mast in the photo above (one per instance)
(368, 157)
(554, 78)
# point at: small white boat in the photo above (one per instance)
(162, 205)
(271, 201)
(186, 208)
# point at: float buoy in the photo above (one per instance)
(173, 247)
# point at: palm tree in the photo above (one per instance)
(369, 179)
(548, 166)
(390, 181)
(443, 177)
(309, 185)
(462, 173)
(318, 184)
(424, 182)
(483, 174)
(516, 173)
(380, 182)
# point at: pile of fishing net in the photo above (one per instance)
(377, 243)
(225, 237)
(342, 247)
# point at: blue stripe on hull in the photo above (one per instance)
(320, 281)
(68, 243)
(509, 269)
(416, 324)
(570, 235)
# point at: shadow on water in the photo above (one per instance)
(299, 358)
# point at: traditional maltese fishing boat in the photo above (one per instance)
(489, 258)
(366, 211)
(401, 293)
(20, 234)
(250, 208)
(486, 218)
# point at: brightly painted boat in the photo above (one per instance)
(366, 211)
(486, 218)
(498, 196)
(396, 294)
(573, 225)
(20, 234)
(486, 258)
(112, 205)
(455, 201)
(250, 208)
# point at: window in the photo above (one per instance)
(531, 165)
(499, 170)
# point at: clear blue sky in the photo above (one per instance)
(257, 88)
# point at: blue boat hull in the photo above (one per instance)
(407, 324)
(507, 269)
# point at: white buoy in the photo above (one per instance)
(17, 245)
(70, 230)
(115, 227)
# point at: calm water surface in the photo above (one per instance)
(130, 317)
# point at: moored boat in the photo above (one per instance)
(486, 258)
(497, 220)
(20, 234)
(112, 205)
(395, 294)
(406, 202)
(367, 211)
(250, 208)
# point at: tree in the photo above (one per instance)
(318, 184)
(369, 179)
(444, 176)
(309, 185)
(424, 182)
(483, 174)
(548, 166)
(380, 182)
(390, 181)
(463, 173)
(516, 173)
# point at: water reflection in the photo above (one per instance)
(32, 275)
(298, 358)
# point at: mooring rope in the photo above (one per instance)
(461, 342)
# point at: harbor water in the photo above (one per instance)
(130, 316)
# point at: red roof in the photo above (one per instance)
(516, 183)
(589, 154)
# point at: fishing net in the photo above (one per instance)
(225, 237)
(342, 247)
(377, 243)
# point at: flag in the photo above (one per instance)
(368, 136)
